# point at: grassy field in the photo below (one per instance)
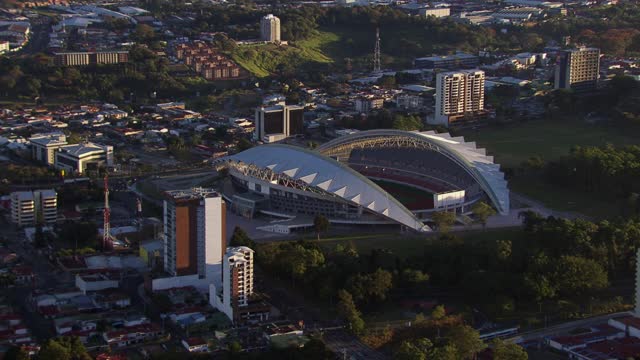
(263, 60)
(566, 199)
(405, 245)
(549, 139)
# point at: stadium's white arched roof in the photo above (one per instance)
(473, 160)
(331, 176)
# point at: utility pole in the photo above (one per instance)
(106, 233)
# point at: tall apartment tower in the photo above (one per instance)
(194, 233)
(237, 279)
(270, 28)
(275, 123)
(235, 297)
(578, 69)
(459, 96)
(30, 208)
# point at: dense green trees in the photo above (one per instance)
(408, 122)
(241, 238)
(605, 169)
(508, 351)
(63, 348)
(443, 220)
(36, 76)
(482, 211)
(349, 312)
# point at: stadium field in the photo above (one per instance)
(412, 198)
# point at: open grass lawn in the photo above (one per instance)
(566, 199)
(550, 139)
(406, 245)
(264, 59)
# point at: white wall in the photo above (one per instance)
(213, 232)
(180, 281)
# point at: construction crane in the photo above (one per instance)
(106, 234)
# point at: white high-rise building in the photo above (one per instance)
(459, 95)
(29, 208)
(578, 69)
(194, 234)
(270, 28)
(233, 298)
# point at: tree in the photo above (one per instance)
(16, 353)
(414, 278)
(321, 224)
(144, 33)
(240, 238)
(347, 310)
(370, 287)
(482, 212)
(577, 276)
(63, 348)
(466, 340)
(438, 312)
(508, 351)
(446, 352)
(235, 347)
(443, 220)
(413, 350)
(380, 283)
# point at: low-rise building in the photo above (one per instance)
(195, 345)
(96, 282)
(365, 105)
(90, 58)
(78, 157)
(450, 62)
(29, 208)
(132, 335)
(44, 146)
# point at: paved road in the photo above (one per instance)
(522, 203)
(346, 346)
(564, 328)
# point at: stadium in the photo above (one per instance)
(370, 177)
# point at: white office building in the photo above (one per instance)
(29, 208)
(194, 238)
(44, 147)
(578, 69)
(459, 96)
(76, 158)
(278, 122)
(270, 28)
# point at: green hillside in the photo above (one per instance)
(265, 59)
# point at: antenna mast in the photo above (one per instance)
(376, 53)
(106, 234)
